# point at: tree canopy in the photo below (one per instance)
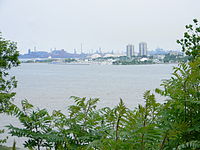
(8, 59)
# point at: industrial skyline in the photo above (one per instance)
(129, 50)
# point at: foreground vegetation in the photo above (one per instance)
(152, 126)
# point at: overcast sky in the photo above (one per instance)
(109, 24)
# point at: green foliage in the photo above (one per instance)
(89, 128)
(69, 60)
(169, 58)
(191, 41)
(8, 59)
(142, 124)
(132, 61)
(189, 145)
(180, 113)
(3, 140)
(37, 126)
(5, 148)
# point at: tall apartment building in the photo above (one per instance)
(142, 49)
(130, 50)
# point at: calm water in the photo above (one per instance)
(50, 86)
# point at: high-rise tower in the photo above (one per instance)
(130, 50)
(142, 49)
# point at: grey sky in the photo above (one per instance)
(110, 24)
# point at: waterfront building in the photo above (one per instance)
(94, 56)
(29, 51)
(142, 49)
(130, 50)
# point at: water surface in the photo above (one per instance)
(50, 86)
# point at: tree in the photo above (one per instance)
(191, 40)
(8, 59)
(180, 115)
(37, 127)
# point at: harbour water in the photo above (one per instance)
(50, 85)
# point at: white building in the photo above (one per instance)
(142, 49)
(130, 50)
(95, 56)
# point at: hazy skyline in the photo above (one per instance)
(109, 24)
